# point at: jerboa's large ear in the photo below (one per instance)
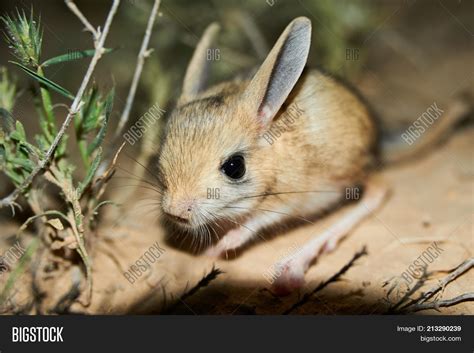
(280, 71)
(198, 69)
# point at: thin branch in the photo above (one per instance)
(204, 282)
(443, 303)
(72, 6)
(142, 55)
(76, 104)
(419, 303)
(402, 302)
(464, 267)
(333, 278)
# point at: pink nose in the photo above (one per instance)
(179, 211)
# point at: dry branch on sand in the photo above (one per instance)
(332, 279)
(204, 282)
(407, 305)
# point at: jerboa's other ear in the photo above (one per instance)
(198, 69)
(280, 71)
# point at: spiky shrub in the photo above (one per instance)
(64, 228)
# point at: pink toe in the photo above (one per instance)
(288, 281)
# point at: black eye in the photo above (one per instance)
(234, 167)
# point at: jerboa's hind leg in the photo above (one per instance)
(293, 267)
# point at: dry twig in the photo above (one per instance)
(443, 303)
(420, 303)
(204, 282)
(95, 33)
(333, 278)
(462, 268)
(142, 55)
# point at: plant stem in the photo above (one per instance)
(142, 55)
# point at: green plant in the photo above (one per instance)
(19, 156)
(65, 215)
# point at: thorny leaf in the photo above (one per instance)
(44, 81)
(90, 174)
(19, 134)
(73, 55)
(108, 105)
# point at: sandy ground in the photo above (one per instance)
(431, 200)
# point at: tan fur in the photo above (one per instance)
(328, 148)
(328, 145)
(305, 138)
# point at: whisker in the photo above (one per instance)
(181, 235)
(211, 220)
(136, 178)
(287, 192)
(246, 227)
(142, 165)
(148, 204)
(136, 186)
(272, 211)
(135, 210)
